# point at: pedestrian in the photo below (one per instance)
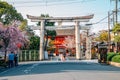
(16, 59)
(64, 56)
(11, 60)
(60, 56)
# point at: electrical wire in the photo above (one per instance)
(49, 1)
(102, 19)
(62, 2)
(27, 2)
(55, 2)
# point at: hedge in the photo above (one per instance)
(116, 58)
(110, 56)
(3, 63)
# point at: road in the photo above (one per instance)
(69, 70)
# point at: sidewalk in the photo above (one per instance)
(3, 69)
(56, 61)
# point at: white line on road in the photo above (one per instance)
(28, 70)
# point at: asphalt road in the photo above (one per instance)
(72, 70)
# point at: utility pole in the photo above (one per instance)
(113, 19)
(116, 16)
(109, 38)
(116, 10)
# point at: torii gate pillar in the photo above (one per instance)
(77, 37)
(41, 52)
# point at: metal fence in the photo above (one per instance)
(28, 55)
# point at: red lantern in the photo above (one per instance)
(19, 45)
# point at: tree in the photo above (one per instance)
(51, 33)
(34, 43)
(69, 42)
(8, 13)
(103, 36)
(23, 25)
(11, 37)
(51, 46)
(117, 38)
(116, 30)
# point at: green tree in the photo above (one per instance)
(103, 36)
(116, 30)
(51, 45)
(48, 33)
(23, 25)
(34, 43)
(117, 38)
(47, 23)
(8, 13)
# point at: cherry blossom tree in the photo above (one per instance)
(69, 42)
(11, 36)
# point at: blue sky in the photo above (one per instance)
(67, 8)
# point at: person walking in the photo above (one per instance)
(64, 56)
(11, 60)
(16, 59)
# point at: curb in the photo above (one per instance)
(114, 64)
(59, 62)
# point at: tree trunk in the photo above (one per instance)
(45, 48)
(5, 57)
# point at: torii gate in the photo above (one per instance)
(77, 20)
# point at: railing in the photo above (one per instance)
(28, 55)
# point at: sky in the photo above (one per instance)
(67, 8)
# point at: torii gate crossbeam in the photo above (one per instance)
(57, 27)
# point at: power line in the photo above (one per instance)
(51, 3)
(102, 19)
(55, 2)
(27, 2)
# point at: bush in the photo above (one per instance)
(3, 63)
(110, 55)
(116, 58)
(111, 52)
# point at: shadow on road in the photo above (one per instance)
(46, 68)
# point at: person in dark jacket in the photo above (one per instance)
(16, 59)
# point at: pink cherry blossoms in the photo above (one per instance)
(11, 36)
